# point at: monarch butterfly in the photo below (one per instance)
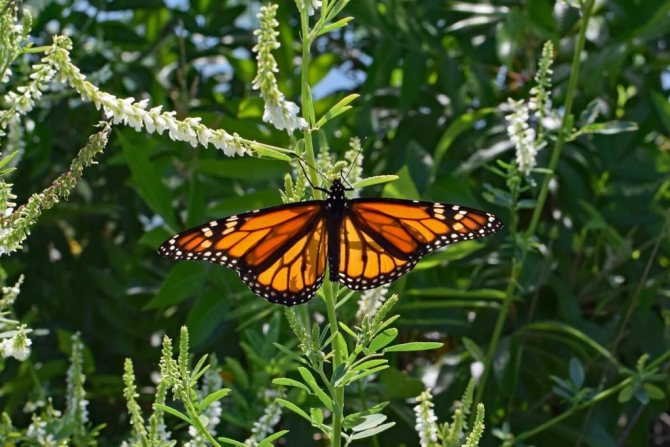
(281, 252)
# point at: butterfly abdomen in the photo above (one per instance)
(335, 209)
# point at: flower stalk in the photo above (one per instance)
(518, 260)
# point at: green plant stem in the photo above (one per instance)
(195, 419)
(566, 124)
(306, 99)
(517, 264)
(337, 394)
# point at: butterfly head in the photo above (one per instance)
(336, 199)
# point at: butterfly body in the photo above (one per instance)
(282, 252)
(333, 212)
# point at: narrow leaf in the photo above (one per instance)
(317, 415)
(333, 26)
(372, 431)
(369, 364)
(174, 412)
(311, 381)
(339, 108)
(267, 442)
(414, 346)
(375, 180)
(231, 442)
(370, 421)
(213, 397)
(474, 350)
(608, 127)
(290, 382)
(265, 151)
(294, 408)
(382, 340)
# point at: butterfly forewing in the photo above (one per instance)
(279, 252)
(382, 239)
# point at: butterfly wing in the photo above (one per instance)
(382, 239)
(279, 252)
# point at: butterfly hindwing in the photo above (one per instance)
(279, 252)
(382, 239)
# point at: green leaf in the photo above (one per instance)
(199, 369)
(364, 374)
(372, 431)
(213, 397)
(347, 329)
(339, 338)
(290, 382)
(335, 25)
(607, 128)
(290, 353)
(369, 364)
(376, 180)
(474, 350)
(370, 421)
(311, 381)
(654, 392)
(184, 280)
(174, 412)
(317, 415)
(414, 346)
(339, 108)
(231, 441)
(294, 408)
(592, 111)
(382, 340)
(447, 292)
(7, 158)
(267, 442)
(354, 419)
(266, 151)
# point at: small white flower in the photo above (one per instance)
(17, 346)
(370, 302)
(521, 135)
(135, 114)
(476, 369)
(426, 421)
(278, 111)
(284, 116)
(9, 294)
(312, 6)
(264, 426)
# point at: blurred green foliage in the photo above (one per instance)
(431, 75)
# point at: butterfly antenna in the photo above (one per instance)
(345, 181)
(353, 163)
(300, 162)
